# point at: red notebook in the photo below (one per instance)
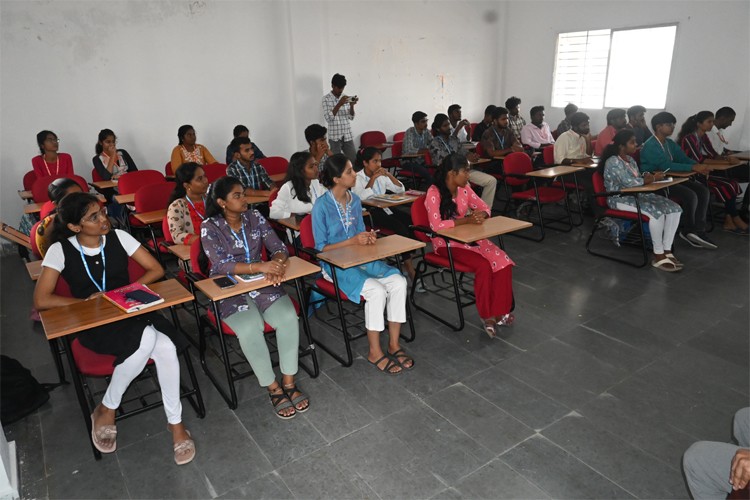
(133, 297)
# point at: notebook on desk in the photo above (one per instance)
(134, 297)
(390, 197)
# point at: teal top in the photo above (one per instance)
(655, 157)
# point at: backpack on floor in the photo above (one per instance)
(20, 393)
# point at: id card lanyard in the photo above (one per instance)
(103, 286)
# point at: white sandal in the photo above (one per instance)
(676, 262)
(665, 264)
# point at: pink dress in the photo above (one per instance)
(465, 198)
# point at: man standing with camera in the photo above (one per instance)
(338, 110)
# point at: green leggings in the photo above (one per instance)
(248, 325)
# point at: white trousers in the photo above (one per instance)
(662, 229)
(157, 346)
(387, 294)
(488, 184)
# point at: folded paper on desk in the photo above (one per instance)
(666, 179)
(133, 297)
(414, 192)
(390, 197)
(247, 278)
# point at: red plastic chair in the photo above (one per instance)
(28, 180)
(215, 171)
(399, 137)
(95, 177)
(603, 211)
(87, 363)
(132, 181)
(548, 155)
(168, 172)
(439, 263)
(472, 126)
(150, 198)
(32, 240)
(515, 167)
(41, 184)
(274, 164)
(372, 138)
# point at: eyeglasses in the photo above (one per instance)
(52, 139)
(96, 217)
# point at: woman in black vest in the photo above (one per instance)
(93, 259)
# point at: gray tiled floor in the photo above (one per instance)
(607, 376)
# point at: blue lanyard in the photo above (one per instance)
(104, 266)
(345, 223)
(446, 145)
(244, 238)
(499, 139)
(203, 217)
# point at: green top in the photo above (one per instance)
(655, 157)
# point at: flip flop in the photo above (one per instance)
(387, 368)
(665, 264)
(401, 354)
(103, 433)
(184, 451)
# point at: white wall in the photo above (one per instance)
(144, 68)
(709, 66)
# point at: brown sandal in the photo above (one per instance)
(184, 451)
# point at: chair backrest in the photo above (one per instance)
(371, 138)
(274, 164)
(135, 271)
(95, 175)
(195, 254)
(471, 130)
(32, 239)
(272, 197)
(479, 150)
(130, 182)
(168, 172)
(153, 196)
(47, 209)
(428, 158)
(397, 149)
(306, 236)
(41, 184)
(598, 182)
(517, 163)
(548, 155)
(215, 171)
(399, 136)
(420, 218)
(637, 157)
(165, 230)
(28, 180)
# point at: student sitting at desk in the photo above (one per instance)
(189, 150)
(459, 128)
(498, 140)
(476, 134)
(110, 163)
(316, 138)
(575, 144)
(187, 204)
(537, 134)
(373, 180)
(616, 121)
(637, 123)
(620, 171)
(417, 140)
(233, 237)
(301, 188)
(565, 125)
(242, 131)
(93, 259)
(337, 223)
(445, 143)
(696, 144)
(516, 121)
(451, 202)
(50, 162)
(57, 190)
(723, 120)
(660, 153)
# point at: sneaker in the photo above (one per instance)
(703, 241)
(689, 238)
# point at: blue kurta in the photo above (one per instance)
(331, 225)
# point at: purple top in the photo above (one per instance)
(224, 250)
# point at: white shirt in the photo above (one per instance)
(338, 124)
(534, 136)
(715, 135)
(462, 135)
(380, 186)
(55, 258)
(287, 203)
(569, 145)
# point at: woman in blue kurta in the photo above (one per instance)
(620, 171)
(337, 223)
(233, 239)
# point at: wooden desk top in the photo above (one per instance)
(494, 226)
(33, 208)
(278, 177)
(654, 186)
(296, 268)
(292, 222)
(725, 166)
(681, 174)
(182, 252)
(480, 161)
(74, 318)
(585, 164)
(125, 199)
(548, 173)
(362, 254)
(14, 235)
(742, 155)
(383, 145)
(151, 217)
(104, 184)
(385, 204)
(25, 194)
(34, 268)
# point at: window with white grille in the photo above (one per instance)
(613, 68)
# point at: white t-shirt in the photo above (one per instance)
(380, 186)
(287, 203)
(55, 258)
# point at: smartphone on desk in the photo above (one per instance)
(142, 297)
(224, 282)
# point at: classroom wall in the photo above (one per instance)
(145, 68)
(709, 65)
